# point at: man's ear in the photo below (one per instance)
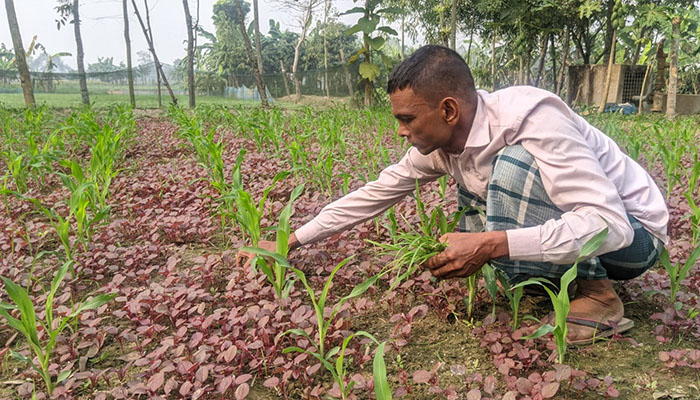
(450, 110)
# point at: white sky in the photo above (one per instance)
(102, 26)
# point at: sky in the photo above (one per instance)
(102, 26)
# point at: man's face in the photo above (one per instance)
(423, 125)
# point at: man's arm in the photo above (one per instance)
(369, 201)
(393, 183)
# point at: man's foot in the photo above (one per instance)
(595, 300)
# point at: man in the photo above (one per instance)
(548, 181)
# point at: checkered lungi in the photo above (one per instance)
(516, 198)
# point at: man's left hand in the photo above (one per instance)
(466, 253)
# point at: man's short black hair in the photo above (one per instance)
(434, 72)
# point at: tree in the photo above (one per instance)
(190, 53)
(147, 32)
(302, 10)
(65, 10)
(21, 61)
(234, 11)
(127, 40)
(258, 53)
(372, 40)
(52, 61)
(673, 69)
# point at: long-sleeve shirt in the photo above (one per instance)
(584, 172)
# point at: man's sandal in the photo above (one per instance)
(601, 330)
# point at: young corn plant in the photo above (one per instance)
(489, 274)
(694, 217)
(249, 214)
(560, 301)
(272, 267)
(413, 248)
(86, 203)
(678, 272)
(51, 325)
(514, 294)
(337, 368)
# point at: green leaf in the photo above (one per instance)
(376, 43)
(353, 30)
(543, 330)
(593, 244)
(26, 307)
(93, 303)
(388, 29)
(381, 385)
(368, 25)
(277, 257)
(354, 10)
(63, 376)
(369, 71)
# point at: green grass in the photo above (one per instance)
(60, 100)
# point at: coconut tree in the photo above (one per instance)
(21, 61)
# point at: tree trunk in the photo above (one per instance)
(156, 62)
(297, 49)
(453, 25)
(284, 77)
(641, 93)
(543, 55)
(403, 37)
(469, 48)
(190, 54)
(20, 57)
(564, 61)
(553, 54)
(79, 44)
(251, 55)
(326, 5)
(148, 33)
(493, 63)
(608, 75)
(673, 68)
(348, 78)
(127, 40)
(520, 70)
(258, 51)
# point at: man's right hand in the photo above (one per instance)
(243, 258)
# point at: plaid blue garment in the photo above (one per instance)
(516, 198)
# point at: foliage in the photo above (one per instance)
(560, 301)
(323, 324)
(51, 326)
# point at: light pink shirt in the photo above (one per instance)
(584, 172)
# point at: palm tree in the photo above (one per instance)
(21, 61)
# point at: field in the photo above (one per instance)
(118, 237)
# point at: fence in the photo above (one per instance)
(63, 88)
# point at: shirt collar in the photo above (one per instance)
(479, 135)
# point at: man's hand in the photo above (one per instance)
(243, 258)
(466, 253)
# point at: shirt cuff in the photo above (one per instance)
(308, 232)
(525, 244)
